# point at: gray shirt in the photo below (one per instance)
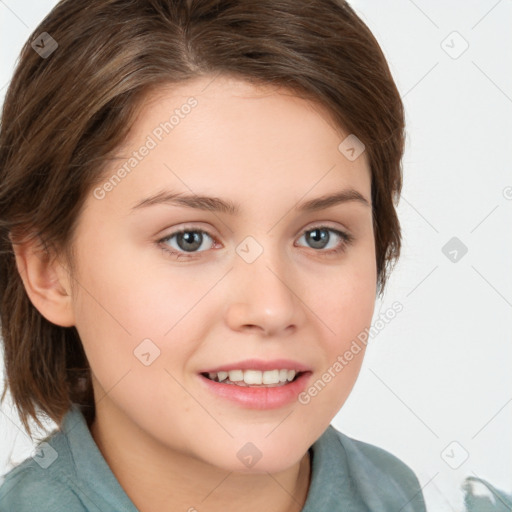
(68, 473)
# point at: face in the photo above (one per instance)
(174, 292)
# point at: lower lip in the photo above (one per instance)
(259, 397)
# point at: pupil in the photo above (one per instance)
(195, 236)
(323, 237)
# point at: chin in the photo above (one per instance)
(259, 457)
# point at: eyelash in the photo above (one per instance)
(346, 240)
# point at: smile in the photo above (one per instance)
(268, 378)
(250, 395)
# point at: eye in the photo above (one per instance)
(318, 237)
(189, 240)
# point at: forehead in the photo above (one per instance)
(216, 135)
(227, 102)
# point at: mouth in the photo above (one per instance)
(255, 378)
(257, 384)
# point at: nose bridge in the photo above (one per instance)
(262, 261)
(264, 295)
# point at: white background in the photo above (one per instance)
(440, 371)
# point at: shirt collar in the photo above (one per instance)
(91, 467)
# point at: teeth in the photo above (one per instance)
(254, 377)
(270, 377)
(235, 375)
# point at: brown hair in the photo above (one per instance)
(65, 112)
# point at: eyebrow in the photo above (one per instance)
(216, 204)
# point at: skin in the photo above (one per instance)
(171, 444)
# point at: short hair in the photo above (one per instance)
(67, 111)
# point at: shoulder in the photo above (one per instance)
(380, 458)
(34, 484)
(381, 475)
(28, 490)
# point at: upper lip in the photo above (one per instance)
(258, 364)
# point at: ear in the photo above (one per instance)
(46, 281)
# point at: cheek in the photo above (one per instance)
(346, 314)
(138, 336)
(123, 314)
(346, 300)
(345, 309)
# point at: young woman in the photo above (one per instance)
(196, 216)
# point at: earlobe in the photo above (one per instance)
(46, 282)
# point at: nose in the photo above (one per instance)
(264, 295)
